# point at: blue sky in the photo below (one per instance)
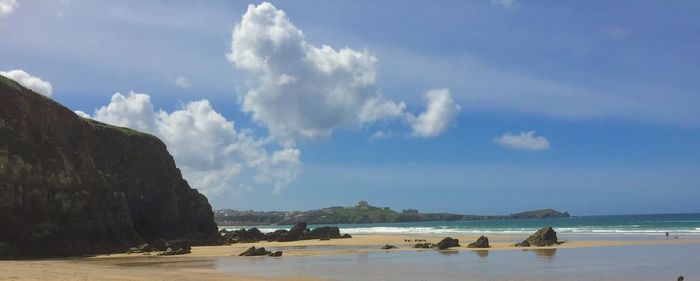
(608, 90)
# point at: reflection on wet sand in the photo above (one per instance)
(448, 252)
(482, 253)
(546, 254)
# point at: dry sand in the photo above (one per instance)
(145, 267)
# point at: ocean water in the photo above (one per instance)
(609, 226)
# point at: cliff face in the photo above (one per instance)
(72, 186)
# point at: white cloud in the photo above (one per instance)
(134, 111)
(33, 83)
(183, 82)
(212, 154)
(441, 109)
(82, 114)
(7, 7)
(302, 90)
(524, 141)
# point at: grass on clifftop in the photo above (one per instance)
(7, 82)
(10, 83)
(124, 130)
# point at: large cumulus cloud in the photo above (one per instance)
(302, 90)
(212, 154)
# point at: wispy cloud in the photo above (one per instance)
(526, 141)
(183, 82)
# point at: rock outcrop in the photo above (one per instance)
(546, 236)
(447, 242)
(72, 186)
(389, 247)
(482, 242)
(425, 245)
(298, 232)
(252, 252)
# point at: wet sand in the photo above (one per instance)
(204, 263)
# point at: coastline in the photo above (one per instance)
(201, 263)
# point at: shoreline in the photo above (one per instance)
(201, 263)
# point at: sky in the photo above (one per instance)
(476, 107)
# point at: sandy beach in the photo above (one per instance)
(199, 264)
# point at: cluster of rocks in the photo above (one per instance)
(252, 251)
(389, 247)
(298, 232)
(546, 236)
(163, 247)
(445, 243)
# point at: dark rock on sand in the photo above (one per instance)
(546, 236)
(143, 248)
(425, 245)
(252, 251)
(482, 242)
(275, 235)
(389, 247)
(243, 235)
(171, 252)
(160, 244)
(72, 186)
(447, 242)
(294, 234)
(324, 232)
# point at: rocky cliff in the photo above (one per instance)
(73, 186)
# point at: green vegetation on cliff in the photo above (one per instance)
(361, 213)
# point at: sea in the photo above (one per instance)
(620, 263)
(610, 226)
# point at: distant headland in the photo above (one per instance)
(363, 212)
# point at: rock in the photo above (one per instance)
(160, 244)
(425, 245)
(680, 278)
(546, 236)
(325, 232)
(143, 248)
(243, 236)
(72, 186)
(6, 250)
(275, 235)
(294, 234)
(179, 244)
(482, 242)
(346, 235)
(276, 254)
(525, 243)
(170, 252)
(389, 247)
(252, 251)
(448, 242)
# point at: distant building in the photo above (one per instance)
(363, 204)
